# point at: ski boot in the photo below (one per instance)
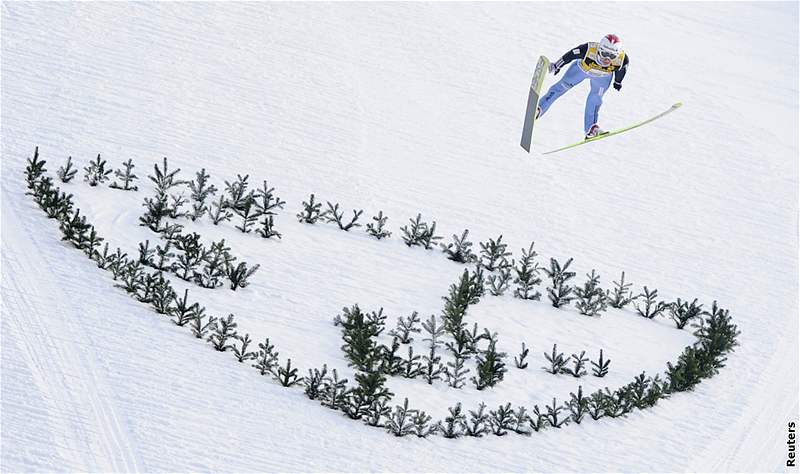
(594, 131)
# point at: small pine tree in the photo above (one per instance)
(267, 229)
(246, 210)
(651, 308)
(377, 229)
(521, 421)
(411, 367)
(717, 335)
(455, 372)
(520, 362)
(502, 420)
(163, 179)
(422, 424)
(490, 367)
(359, 333)
(492, 253)
(552, 415)
(157, 209)
(266, 201)
(559, 293)
(578, 405)
(420, 233)
(335, 215)
(460, 250)
(315, 381)
(538, 421)
(201, 191)
(219, 211)
(96, 172)
(241, 353)
(499, 283)
(287, 376)
(181, 311)
(622, 294)
(527, 276)
(379, 410)
(405, 327)
(478, 422)
(66, 173)
(579, 362)
(236, 193)
(225, 329)
(682, 312)
(267, 358)
(600, 368)
(432, 367)
(201, 327)
(35, 169)
(591, 298)
(334, 392)
(401, 422)
(557, 361)
(311, 212)
(369, 389)
(239, 274)
(126, 176)
(597, 405)
(455, 424)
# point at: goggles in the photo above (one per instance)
(607, 54)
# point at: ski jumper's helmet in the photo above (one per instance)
(609, 48)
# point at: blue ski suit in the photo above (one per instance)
(588, 67)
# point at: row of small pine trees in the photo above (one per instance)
(369, 399)
(96, 172)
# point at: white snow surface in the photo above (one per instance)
(406, 108)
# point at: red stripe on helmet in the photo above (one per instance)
(613, 39)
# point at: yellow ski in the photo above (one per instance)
(618, 131)
(533, 102)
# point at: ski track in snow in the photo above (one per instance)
(404, 108)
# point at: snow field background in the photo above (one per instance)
(404, 108)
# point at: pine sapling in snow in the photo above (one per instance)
(219, 211)
(538, 420)
(181, 311)
(422, 424)
(391, 363)
(162, 294)
(682, 312)
(126, 177)
(520, 362)
(490, 367)
(239, 274)
(246, 210)
(378, 228)
(591, 298)
(156, 209)
(502, 420)
(359, 333)
(521, 422)
(578, 405)
(419, 233)
(597, 405)
(651, 308)
(240, 352)
(315, 381)
(557, 361)
(287, 376)
(501, 280)
(454, 424)
(478, 424)
(311, 212)
(163, 256)
(527, 276)
(560, 292)
(267, 202)
(411, 366)
(164, 179)
(75, 229)
(201, 192)
(455, 372)
(224, 330)
(201, 326)
(337, 216)
(717, 336)
(66, 173)
(432, 367)
(267, 358)
(35, 169)
(460, 250)
(578, 365)
(177, 201)
(369, 389)
(553, 412)
(401, 422)
(493, 253)
(622, 295)
(377, 411)
(96, 172)
(334, 392)
(600, 368)
(405, 327)
(236, 193)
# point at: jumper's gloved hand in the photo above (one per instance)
(555, 67)
(617, 85)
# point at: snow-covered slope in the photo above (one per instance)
(406, 108)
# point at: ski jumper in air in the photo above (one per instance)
(600, 63)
